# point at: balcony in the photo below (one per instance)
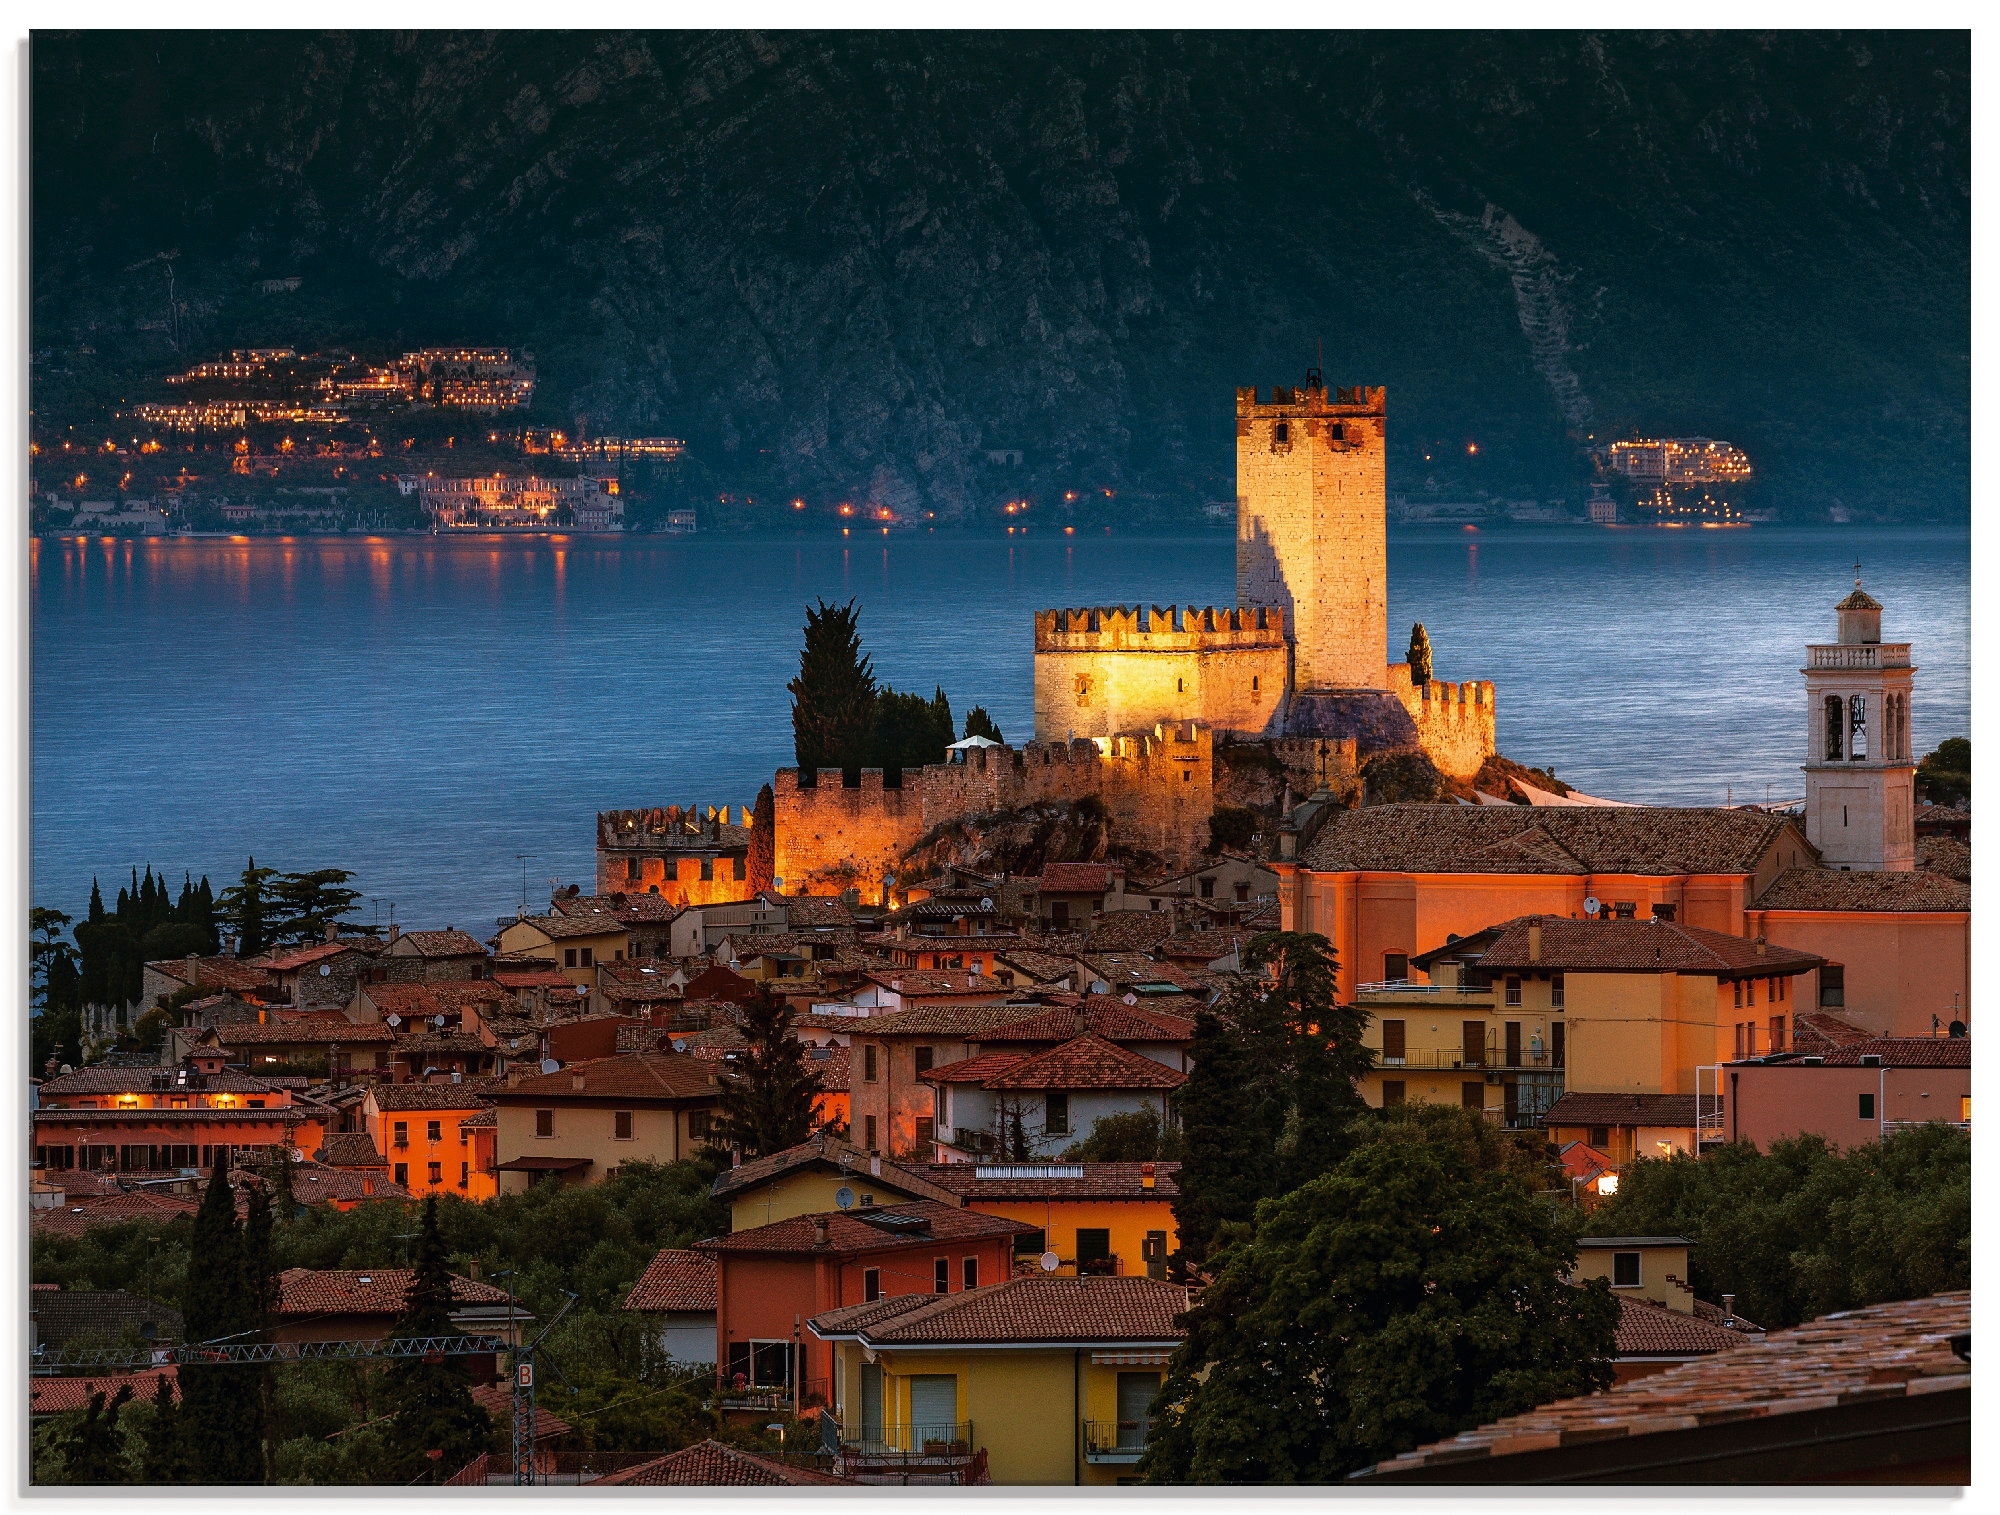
(937, 1453)
(1859, 655)
(733, 1393)
(1115, 1441)
(1403, 988)
(1490, 1060)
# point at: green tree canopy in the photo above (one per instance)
(1232, 828)
(245, 906)
(1136, 1136)
(94, 1450)
(769, 1088)
(304, 905)
(431, 1401)
(979, 723)
(1405, 1295)
(1945, 774)
(833, 697)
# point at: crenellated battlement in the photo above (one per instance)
(1455, 722)
(1288, 403)
(1171, 628)
(669, 826)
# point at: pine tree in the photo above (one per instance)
(301, 906)
(767, 1096)
(833, 697)
(245, 906)
(94, 1452)
(430, 1399)
(220, 1405)
(165, 1457)
(1420, 654)
(979, 723)
(759, 866)
(260, 1287)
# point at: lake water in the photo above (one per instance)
(423, 711)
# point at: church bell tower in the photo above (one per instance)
(1860, 777)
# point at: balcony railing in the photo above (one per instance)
(1860, 655)
(1889, 1127)
(1401, 987)
(1454, 1057)
(734, 1394)
(1115, 1441)
(938, 1444)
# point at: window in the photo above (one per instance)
(1180, 686)
(1208, 888)
(1394, 1042)
(868, 1132)
(1834, 723)
(1254, 684)
(969, 1272)
(1867, 1111)
(742, 871)
(255, 1104)
(1513, 1042)
(569, 957)
(926, 1130)
(437, 1173)
(868, 1054)
(632, 867)
(941, 1275)
(1777, 1033)
(1395, 967)
(923, 1059)
(1394, 1092)
(402, 1133)
(1242, 894)
(1600, 1137)
(465, 1175)
(871, 1284)
(1736, 1002)
(621, 1125)
(707, 869)
(1282, 433)
(1059, 915)
(1513, 991)
(1965, 1107)
(1555, 991)
(1472, 1096)
(1832, 986)
(1030, 1244)
(698, 1123)
(583, 957)
(402, 1172)
(1624, 1270)
(545, 1123)
(434, 1131)
(1093, 1245)
(1055, 1112)
(1559, 1045)
(1857, 729)
(1472, 1044)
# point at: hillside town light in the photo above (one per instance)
(1607, 1183)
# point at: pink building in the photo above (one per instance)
(1850, 1095)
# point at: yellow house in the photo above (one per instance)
(1514, 1015)
(575, 945)
(582, 1124)
(1043, 1380)
(808, 1179)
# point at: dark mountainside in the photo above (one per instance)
(844, 265)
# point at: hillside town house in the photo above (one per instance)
(439, 1138)
(581, 1124)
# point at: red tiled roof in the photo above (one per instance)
(1580, 1109)
(1202, 946)
(281, 959)
(1104, 1015)
(973, 1070)
(212, 972)
(1945, 856)
(1129, 931)
(676, 1279)
(111, 1210)
(316, 1183)
(1906, 1052)
(58, 1396)
(450, 998)
(638, 909)
(848, 1232)
(918, 982)
(710, 1464)
(139, 1081)
(1032, 1309)
(942, 1022)
(1885, 1351)
(1648, 1330)
(833, 1153)
(1580, 1160)
(366, 1291)
(442, 944)
(1088, 1062)
(327, 1027)
(427, 1097)
(1818, 1027)
(524, 977)
(1074, 878)
(1620, 946)
(1536, 839)
(1118, 968)
(1916, 892)
(561, 927)
(349, 1149)
(1099, 1181)
(632, 1075)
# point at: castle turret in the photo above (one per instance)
(1311, 527)
(1860, 776)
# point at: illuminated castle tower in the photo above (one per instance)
(1860, 777)
(1311, 528)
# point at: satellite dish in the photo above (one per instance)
(680, 1046)
(844, 1197)
(1050, 1262)
(1131, 998)
(298, 1154)
(986, 904)
(550, 1065)
(438, 1021)
(1591, 905)
(325, 969)
(394, 1020)
(581, 989)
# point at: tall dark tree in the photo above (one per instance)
(908, 733)
(1945, 774)
(245, 906)
(435, 1427)
(760, 863)
(94, 1450)
(303, 905)
(769, 1088)
(1411, 1292)
(833, 697)
(1220, 1180)
(979, 723)
(220, 1402)
(1420, 654)
(260, 1285)
(52, 980)
(166, 1457)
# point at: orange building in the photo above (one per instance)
(1097, 1218)
(438, 1138)
(153, 1120)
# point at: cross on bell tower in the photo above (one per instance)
(1860, 776)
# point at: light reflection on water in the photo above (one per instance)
(422, 710)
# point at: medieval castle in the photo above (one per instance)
(1135, 704)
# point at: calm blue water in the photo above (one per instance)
(422, 711)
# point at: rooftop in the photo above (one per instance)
(1087, 1062)
(1076, 878)
(833, 1153)
(366, 1291)
(1578, 1109)
(1915, 892)
(450, 943)
(427, 1097)
(634, 1075)
(1571, 945)
(1019, 1310)
(1648, 1330)
(848, 1231)
(1534, 839)
(710, 1464)
(1064, 1181)
(677, 1278)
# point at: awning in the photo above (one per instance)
(542, 1164)
(1129, 1359)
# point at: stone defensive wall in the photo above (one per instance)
(1177, 628)
(1103, 669)
(1159, 786)
(1454, 721)
(691, 854)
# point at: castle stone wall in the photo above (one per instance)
(1158, 785)
(1454, 721)
(690, 855)
(1311, 527)
(1101, 670)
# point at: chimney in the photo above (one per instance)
(1729, 1310)
(1147, 1180)
(1535, 943)
(1760, 946)
(576, 1082)
(874, 1167)
(394, 931)
(332, 931)
(819, 1230)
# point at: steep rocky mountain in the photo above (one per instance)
(850, 264)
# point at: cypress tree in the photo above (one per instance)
(260, 1287)
(767, 1097)
(1219, 1182)
(430, 1399)
(219, 1400)
(94, 1452)
(979, 723)
(759, 867)
(165, 1458)
(1420, 654)
(942, 735)
(833, 697)
(96, 902)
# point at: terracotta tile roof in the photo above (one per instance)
(325, 1028)
(1129, 931)
(427, 1097)
(958, 1022)
(910, 982)
(1201, 946)
(414, 1043)
(1943, 815)
(1575, 945)
(441, 944)
(1822, 1030)
(1832, 889)
(1122, 1309)
(523, 976)
(710, 1464)
(815, 910)
(487, 1118)
(1099, 1181)
(974, 1070)
(848, 1232)
(1906, 1052)
(1075, 878)
(497, 1400)
(559, 927)
(1122, 970)
(1088, 1062)
(281, 959)
(834, 1066)
(636, 1075)
(1945, 856)
(111, 1210)
(213, 972)
(1884, 1351)
(1648, 1330)
(1580, 1109)
(677, 1278)
(140, 1081)
(833, 1153)
(1044, 967)
(1534, 839)
(350, 1149)
(324, 1184)
(640, 909)
(58, 1396)
(366, 1291)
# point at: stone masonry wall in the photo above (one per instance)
(1101, 670)
(1454, 721)
(1158, 785)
